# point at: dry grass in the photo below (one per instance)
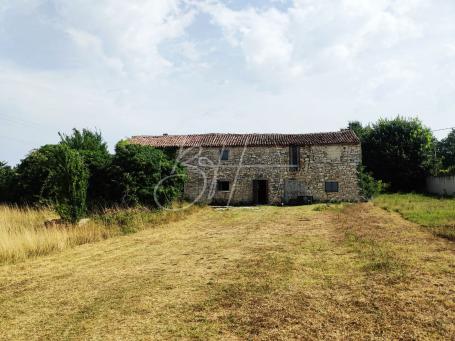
(356, 272)
(436, 214)
(23, 234)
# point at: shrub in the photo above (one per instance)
(54, 175)
(143, 175)
(79, 172)
(32, 175)
(7, 180)
(369, 187)
(446, 153)
(450, 171)
(68, 180)
(93, 149)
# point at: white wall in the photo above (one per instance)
(441, 185)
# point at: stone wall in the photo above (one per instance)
(245, 164)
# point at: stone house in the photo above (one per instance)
(266, 168)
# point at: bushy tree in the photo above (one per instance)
(79, 172)
(32, 175)
(399, 152)
(144, 175)
(54, 175)
(359, 129)
(446, 152)
(93, 149)
(67, 183)
(7, 181)
(369, 187)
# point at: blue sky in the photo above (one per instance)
(187, 66)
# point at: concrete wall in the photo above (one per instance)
(317, 165)
(443, 185)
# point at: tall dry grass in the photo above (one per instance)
(23, 233)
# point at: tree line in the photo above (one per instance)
(403, 152)
(79, 175)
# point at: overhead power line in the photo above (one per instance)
(11, 119)
(443, 129)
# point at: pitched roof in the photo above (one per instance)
(219, 140)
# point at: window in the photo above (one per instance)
(224, 154)
(223, 186)
(331, 186)
(294, 158)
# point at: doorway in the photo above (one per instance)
(260, 192)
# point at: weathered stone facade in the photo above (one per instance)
(317, 165)
(266, 168)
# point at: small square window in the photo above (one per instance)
(223, 186)
(224, 154)
(331, 186)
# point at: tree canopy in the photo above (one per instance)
(144, 175)
(80, 173)
(399, 152)
(93, 149)
(446, 153)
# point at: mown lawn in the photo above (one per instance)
(352, 272)
(437, 214)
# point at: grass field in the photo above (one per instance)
(355, 271)
(23, 233)
(437, 214)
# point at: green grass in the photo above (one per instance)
(437, 214)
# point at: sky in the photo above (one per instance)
(142, 67)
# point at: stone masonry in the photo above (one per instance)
(317, 165)
(324, 157)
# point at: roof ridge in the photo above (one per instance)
(237, 134)
(251, 139)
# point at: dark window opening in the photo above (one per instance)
(294, 158)
(331, 186)
(223, 186)
(224, 154)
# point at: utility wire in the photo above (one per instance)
(18, 121)
(443, 129)
(6, 137)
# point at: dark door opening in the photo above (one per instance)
(260, 192)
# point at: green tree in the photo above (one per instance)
(144, 175)
(32, 174)
(93, 149)
(7, 181)
(54, 175)
(67, 183)
(359, 129)
(446, 152)
(399, 152)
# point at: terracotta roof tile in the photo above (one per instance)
(219, 140)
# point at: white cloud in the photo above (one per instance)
(91, 51)
(315, 35)
(127, 33)
(263, 37)
(185, 66)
